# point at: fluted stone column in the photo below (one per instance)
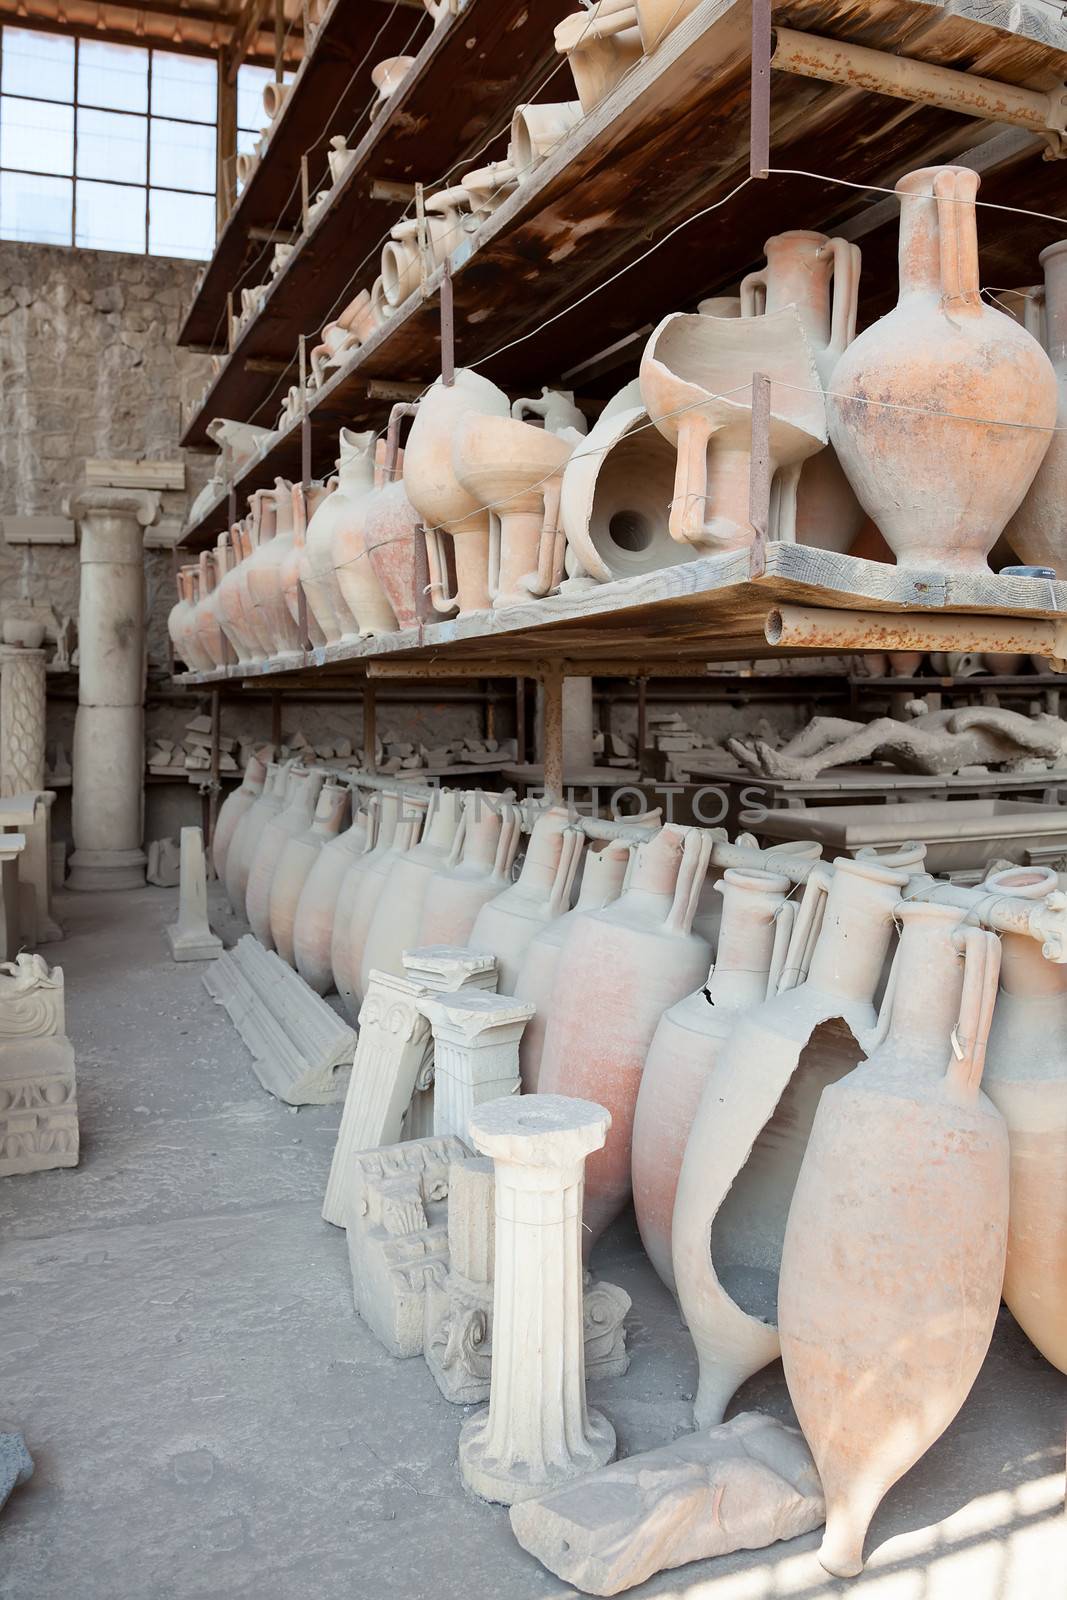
(22, 720)
(108, 802)
(538, 1431)
(475, 1053)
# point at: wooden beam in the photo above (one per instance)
(247, 24)
(225, 144)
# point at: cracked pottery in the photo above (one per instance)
(939, 486)
(394, 925)
(314, 921)
(365, 602)
(400, 817)
(455, 895)
(696, 381)
(236, 804)
(1037, 532)
(603, 872)
(753, 935)
(505, 925)
(619, 970)
(894, 1249)
(441, 501)
(301, 797)
(297, 858)
(1026, 1079)
(756, 1108)
(247, 833)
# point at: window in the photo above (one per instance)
(107, 146)
(251, 114)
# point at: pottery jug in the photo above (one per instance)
(210, 637)
(402, 269)
(697, 383)
(387, 76)
(394, 925)
(939, 484)
(1026, 1079)
(601, 44)
(390, 529)
(298, 855)
(505, 926)
(751, 1126)
(294, 817)
(229, 600)
(1037, 532)
(314, 920)
(360, 473)
(318, 571)
(619, 970)
(435, 491)
(603, 872)
(689, 1038)
(261, 526)
(226, 556)
(894, 1250)
(820, 276)
(181, 625)
(536, 130)
(248, 831)
(274, 623)
(398, 811)
(456, 893)
(235, 806)
(303, 505)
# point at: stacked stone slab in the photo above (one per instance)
(38, 1094)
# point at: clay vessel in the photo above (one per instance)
(601, 45)
(619, 970)
(390, 531)
(603, 872)
(1036, 532)
(261, 527)
(442, 502)
(401, 268)
(536, 130)
(689, 1038)
(305, 502)
(362, 608)
(456, 893)
(400, 816)
(294, 817)
(755, 1112)
(387, 76)
(894, 1250)
(209, 635)
(298, 856)
(615, 492)
(820, 276)
(313, 923)
(234, 808)
(1026, 1079)
(247, 834)
(181, 625)
(505, 926)
(230, 599)
(394, 925)
(941, 488)
(273, 622)
(696, 381)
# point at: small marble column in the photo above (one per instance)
(476, 1054)
(538, 1431)
(22, 720)
(108, 798)
(191, 938)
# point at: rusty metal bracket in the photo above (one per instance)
(759, 134)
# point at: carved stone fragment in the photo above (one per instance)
(38, 1105)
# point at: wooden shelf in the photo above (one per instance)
(707, 609)
(468, 76)
(332, 74)
(669, 141)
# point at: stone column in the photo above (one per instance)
(108, 802)
(475, 1053)
(22, 720)
(538, 1431)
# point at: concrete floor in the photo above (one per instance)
(210, 1419)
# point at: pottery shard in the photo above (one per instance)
(739, 1486)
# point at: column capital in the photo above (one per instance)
(142, 504)
(539, 1130)
(471, 1017)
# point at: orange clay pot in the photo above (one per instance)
(315, 910)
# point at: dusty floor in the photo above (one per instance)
(210, 1419)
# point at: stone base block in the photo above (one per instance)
(38, 1105)
(301, 1049)
(505, 1482)
(94, 871)
(196, 947)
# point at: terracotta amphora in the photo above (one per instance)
(603, 873)
(505, 926)
(210, 637)
(1026, 1079)
(939, 484)
(226, 556)
(536, 130)
(820, 276)
(456, 893)
(314, 920)
(1037, 532)
(257, 534)
(304, 503)
(362, 480)
(318, 573)
(442, 502)
(297, 858)
(390, 530)
(616, 488)
(274, 623)
(601, 45)
(248, 831)
(230, 598)
(696, 381)
(181, 625)
(400, 818)
(619, 970)
(394, 925)
(235, 807)
(753, 936)
(894, 1250)
(301, 798)
(751, 1126)
(402, 270)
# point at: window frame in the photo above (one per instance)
(148, 116)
